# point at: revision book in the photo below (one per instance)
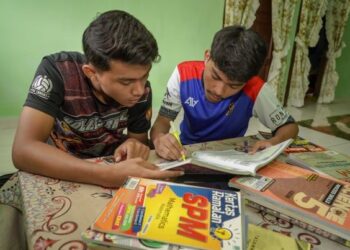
(301, 194)
(174, 213)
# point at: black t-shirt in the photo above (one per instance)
(84, 126)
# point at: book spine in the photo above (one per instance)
(298, 223)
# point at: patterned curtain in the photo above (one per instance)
(310, 24)
(282, 15)
(336, 17)
(240, 12)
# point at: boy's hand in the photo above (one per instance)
(131, 148)
(260, 145)
(168, 147)
(116, 175)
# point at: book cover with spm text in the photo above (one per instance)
(174, 213)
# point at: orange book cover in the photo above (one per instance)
(203, 218)
(321, 201)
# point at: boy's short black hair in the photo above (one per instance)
(238, 52)
(117, 35)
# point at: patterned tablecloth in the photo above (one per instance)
(56, 212)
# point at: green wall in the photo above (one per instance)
(183, 28)
(31, 29)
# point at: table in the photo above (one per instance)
(55, 212)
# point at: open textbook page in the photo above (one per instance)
(231, 161)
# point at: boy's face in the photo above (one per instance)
(217, 85)
(124, 83)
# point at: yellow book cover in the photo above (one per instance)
(174, 213)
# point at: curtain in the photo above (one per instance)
(310, 24)
(240, 12)
(282, 16)
(336, 17)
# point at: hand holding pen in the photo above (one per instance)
(175, 133)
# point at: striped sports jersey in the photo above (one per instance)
(229, 118)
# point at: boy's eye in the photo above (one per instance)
(234, 86)
(125, 82)
(215, 77)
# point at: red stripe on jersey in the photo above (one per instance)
(190, 70)
(252, 87)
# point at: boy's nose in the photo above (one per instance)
(138, 88)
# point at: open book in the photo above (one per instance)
(230, 161)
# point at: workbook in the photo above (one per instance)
(301, 194)
(230, 161)
(190, 216)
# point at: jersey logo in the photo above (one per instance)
(191, 102)
(230, 109)
(41, 86)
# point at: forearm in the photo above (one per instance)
(161, 127)
(285, 132)
(43, 159)
(143, 137)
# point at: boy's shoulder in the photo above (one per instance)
(190, 69)
(66, 56)
(191, 64)
(253, 87)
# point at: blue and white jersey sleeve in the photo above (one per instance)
(269, 110)
(171, 105)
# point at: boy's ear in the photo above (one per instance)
(89, 70)
(207, 55)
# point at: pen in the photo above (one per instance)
(175, 133)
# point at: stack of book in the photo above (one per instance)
(308, 199)
(147, 212)
(259, 239)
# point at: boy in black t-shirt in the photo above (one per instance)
(79, 105)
